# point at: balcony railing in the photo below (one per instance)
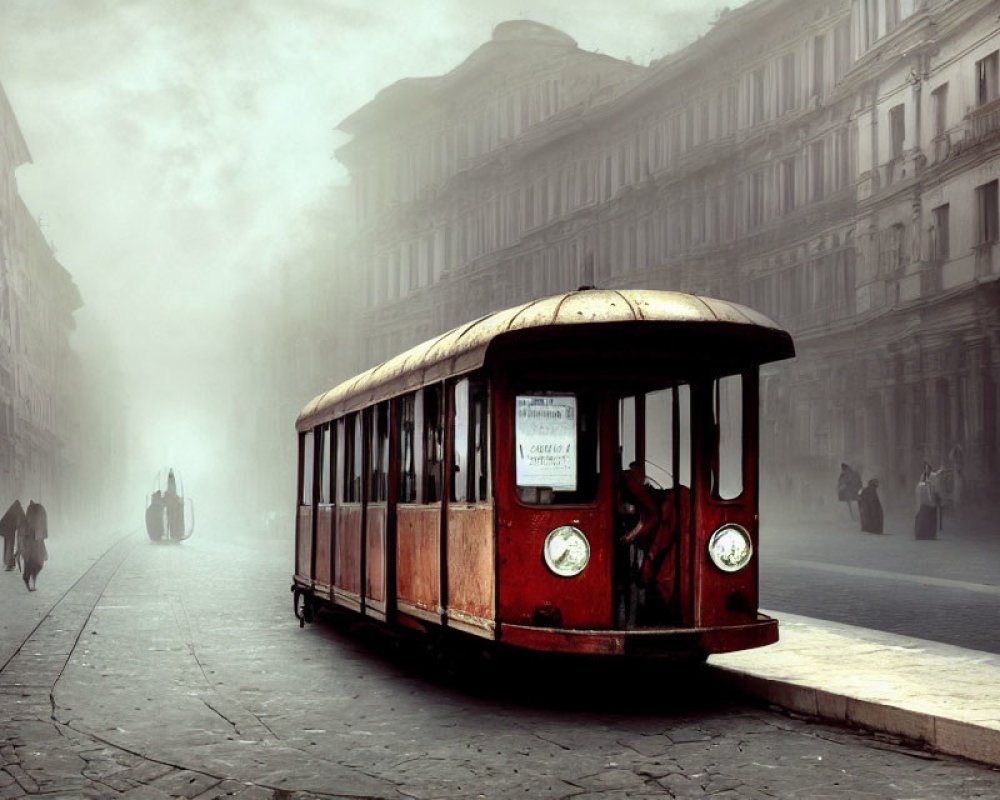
(983, 122)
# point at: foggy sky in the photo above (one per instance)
(177, 145)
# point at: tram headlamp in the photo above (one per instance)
(566, 551)
(730, 547)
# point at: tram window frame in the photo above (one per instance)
(352, 458)
(433, 445)
(728, 441)
(659, 427)
(587, 479)
(411, 448)
(470, 474)
(340, 471)
(377, 447)
(307, 467)
(326, 462)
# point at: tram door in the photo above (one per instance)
(654, 509)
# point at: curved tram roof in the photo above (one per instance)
(464, 348)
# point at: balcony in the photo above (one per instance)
(983, 123)
(987, 259)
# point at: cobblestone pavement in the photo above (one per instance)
(178, 671)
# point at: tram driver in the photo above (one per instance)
(662, 514)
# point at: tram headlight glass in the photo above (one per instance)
(566, 551)
(730, 547)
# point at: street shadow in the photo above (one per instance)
(465, 666)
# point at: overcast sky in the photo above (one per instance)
(176, 143)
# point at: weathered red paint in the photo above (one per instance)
(303, 543)
(471, 563)
(418, 557)
(347, 559)
(375, 554)
(324, 529)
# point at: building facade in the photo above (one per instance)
(38, 421)
(832, 163)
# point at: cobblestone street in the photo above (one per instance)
(180, 672)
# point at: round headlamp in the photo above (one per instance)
(730, 547)
(566, 551)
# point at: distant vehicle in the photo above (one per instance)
(578, 474)
(169, 515)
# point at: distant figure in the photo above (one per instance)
(870, 509)
(848, 487)
(175, 509)
(928, 505)
(11, 521)
(956, 456)
(154, 516)
(31, 548)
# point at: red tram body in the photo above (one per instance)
(479, 482)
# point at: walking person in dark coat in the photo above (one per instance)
(848, 487)
(31, 544)
(870, 509)
(925, 525)
(9, 524)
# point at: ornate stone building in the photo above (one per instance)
(37, 367)
(833, 163)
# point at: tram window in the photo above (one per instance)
(659, 442)
(556, 448)
(326, 460)
(378, 460)
(307, 456)
(411, 449)
(727, 463)
(433, 443)
(340, 462)
(352, 459)
(470, 476)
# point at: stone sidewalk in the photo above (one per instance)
(946, 698)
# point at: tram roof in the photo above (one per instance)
(464, 348)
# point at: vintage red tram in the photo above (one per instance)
(577, 474)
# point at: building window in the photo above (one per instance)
(788, 83)
(757, 96)
(819, 58)
(940, 99)
(787, 198)
(755, 198)
(897, 131)
(940, 247)
(986, 78)
(986, 213)
(817, 157)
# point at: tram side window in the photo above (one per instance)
(307, 456)
(377, 441)
(411, 448)
(727, 462)
(661, 406)
(433, 443)
(326, 462)
(352, 459)
(556, 452)
(470, 475)
(340, 479)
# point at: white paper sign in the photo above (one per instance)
(545, 442)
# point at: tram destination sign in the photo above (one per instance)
(545, 433)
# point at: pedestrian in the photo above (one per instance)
(31, 544)
(848, 487)
(174, 504)
(154, 516)
(9, 524)
(870, 509)
(928, 505)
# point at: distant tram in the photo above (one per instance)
(578, 474)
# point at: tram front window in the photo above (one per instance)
(556, 448)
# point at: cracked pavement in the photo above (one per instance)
(179, 671)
